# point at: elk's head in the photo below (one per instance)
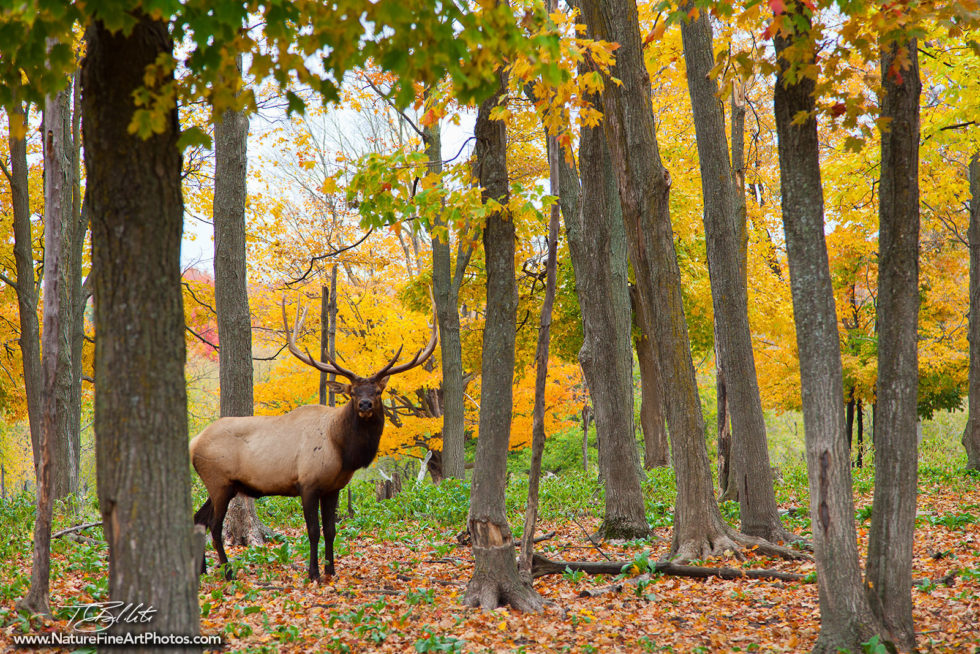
(365, 392)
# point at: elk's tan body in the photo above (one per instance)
(274, 455)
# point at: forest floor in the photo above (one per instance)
(398, 589)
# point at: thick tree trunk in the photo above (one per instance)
(656, 449)
(889, 567)
(846, 620)
(644, 186)
(30, 345)
(971, 436)
(242, 524)
(541, 368)
(446, 294)
(140, 403)
(495, 580)
(724, 232)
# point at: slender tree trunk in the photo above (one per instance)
(53, 474)
(445, 291)
(656, 450)
(849, 419)
(325, 299)
(30, 347)
(889, 567)
(846, 620)
(541, 369)
(495, 580)
(971, 436)
(78, 292)
(860, 435)
(726, 480)
(242, 524)
(644, 186)
(724, 229)
(140, 403)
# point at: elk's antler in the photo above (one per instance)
(391, 369)
(329, 368)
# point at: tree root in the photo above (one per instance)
(768, 548)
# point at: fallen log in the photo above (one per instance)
(542, 566)
(71, 530)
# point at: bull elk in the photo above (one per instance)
(311, 452)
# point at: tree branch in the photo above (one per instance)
(320, 257)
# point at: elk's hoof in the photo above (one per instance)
(229, 572)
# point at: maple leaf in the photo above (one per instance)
(777, 6)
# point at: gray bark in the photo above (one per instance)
(724, 233)
(56, 348)
(495, 580)
(445, 289)
(136, 212)
(889, 566)
(846, 620)
(971, 436)
(242, 524)
(78, 293)
(30, 345)
(644, 186)
(597, 242)
(656, 448)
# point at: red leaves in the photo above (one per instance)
(777, 6)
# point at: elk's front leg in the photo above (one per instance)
(310, 502)
(328, 508)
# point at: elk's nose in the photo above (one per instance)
(365, 405)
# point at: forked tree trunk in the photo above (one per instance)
(971, 436)
(724, 231)
(644, 186)
(495, 580)
(846, 620)
(136, 214)
(242, 524)
(30, 345)
(889, 567)
(446, 285)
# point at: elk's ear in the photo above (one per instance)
(383, 382)
(339, 387)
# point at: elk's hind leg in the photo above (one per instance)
(221, 500)
(310, 501)
(328, 508)
(205, 516)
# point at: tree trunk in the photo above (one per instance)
(644, 186)
(30, 346)
(860, 434)
(242, 524)
(724, 233)
(495, 580)
(541, 368)
(971, 436)
(446, 294)
(656, 450)
(889, 566)
(53, 475)
(140, 403)
(726, 480)
(846, 620)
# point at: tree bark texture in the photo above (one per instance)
(242, 524)
(971, 436)
(889, 566)
(723, 231)
(446, 293)
(495, 580)
(644, 186)
(597, 241)
(846, 620)
(78, 293)
(541, 367)
(59, 228)
(30, 332)
(656, 449)
(140, 403)
(55, 472)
